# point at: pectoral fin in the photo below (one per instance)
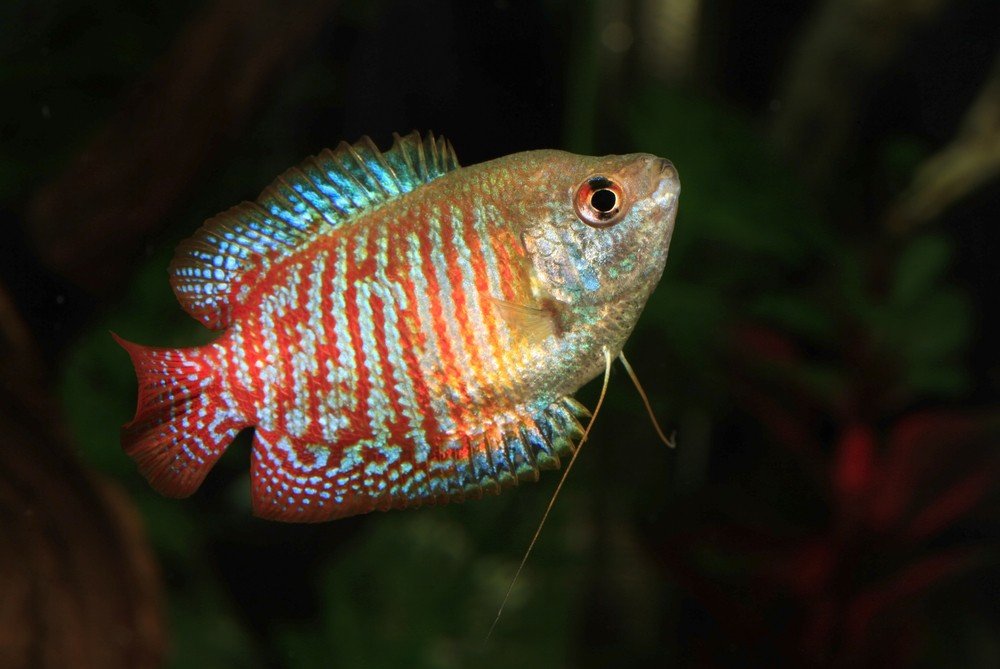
(535, 324)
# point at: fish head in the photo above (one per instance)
(601, 226)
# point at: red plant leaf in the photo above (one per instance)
(765, 343)
(808, 571)
(906, 585)
(953, 503)
(854, 464)
(917, 447)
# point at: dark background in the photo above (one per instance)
(823, 340)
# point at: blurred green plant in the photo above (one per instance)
(419, 591)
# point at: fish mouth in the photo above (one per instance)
(665, 197)
(666, 167)
(668, 186)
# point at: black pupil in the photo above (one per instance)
(603, 200)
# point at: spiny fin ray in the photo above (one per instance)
(290, 484)
(214, 270)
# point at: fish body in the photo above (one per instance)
(399, 330)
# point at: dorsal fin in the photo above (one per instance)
(215, 269)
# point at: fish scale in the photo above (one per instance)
(368, 346)
(397, 330)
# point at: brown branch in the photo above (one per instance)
(90, 221)
(22, 374)
(971, 160)
(79, 584)
(78, 581)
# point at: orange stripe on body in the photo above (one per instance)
(413, 339)
(460, 299)
(449, 363)
(490, 317)
(503, 244)
(487, 312)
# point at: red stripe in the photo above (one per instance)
(338, 283)
(285, 343)
(475, 356)
(377, 306)
(413, 339)
(328, 350)
(502, 381)
(253, 352)
(297, 313)
(297, 316)
(317, 384)
(459, 296)
(325, 345)
(360, 428)
(445, 352)
(459, 302)
(505, 264)
(487, 311)
(397, 426)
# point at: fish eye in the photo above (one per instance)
(598, 202)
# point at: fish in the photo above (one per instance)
(400, 330)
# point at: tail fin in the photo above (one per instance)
(181, 425)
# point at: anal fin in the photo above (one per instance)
(295, 481)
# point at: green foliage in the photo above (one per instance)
(206, 631)
(900, 158)
(928, 323)
(921, 265)
(419, 591)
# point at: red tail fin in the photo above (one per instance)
(181, 423)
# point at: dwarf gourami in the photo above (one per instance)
(400, 330)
